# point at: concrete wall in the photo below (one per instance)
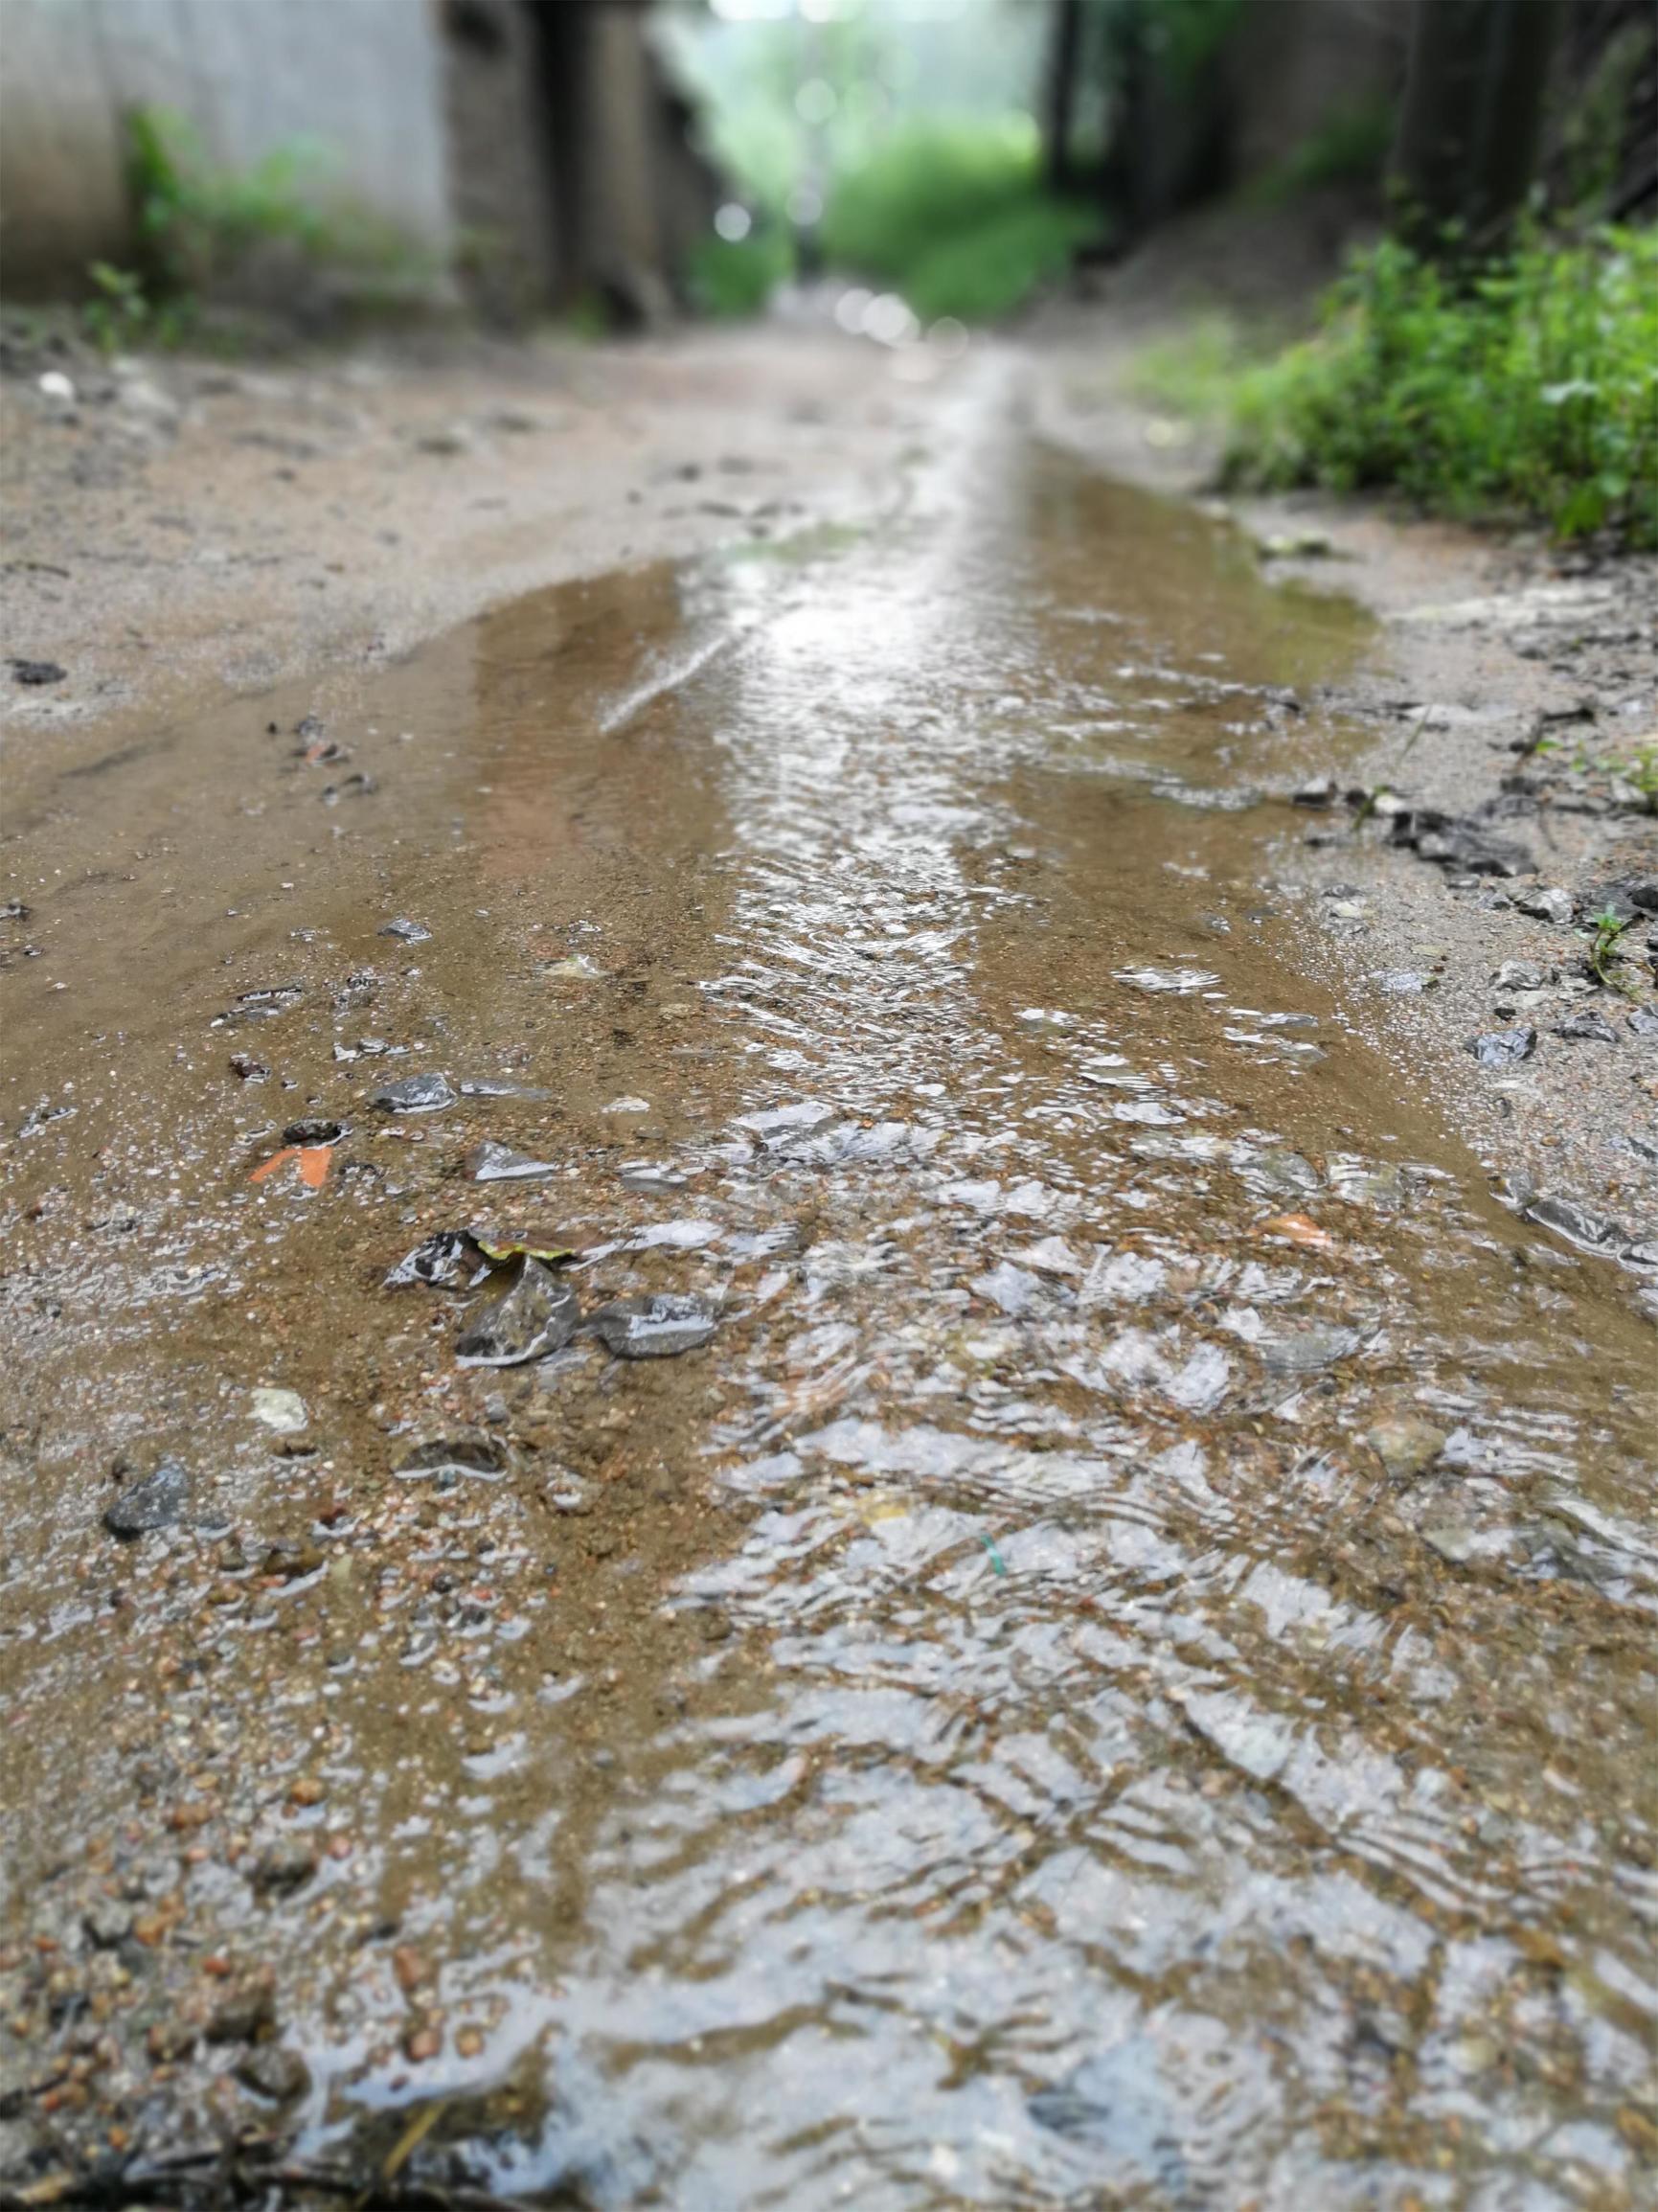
(360, 79)
(510, 235)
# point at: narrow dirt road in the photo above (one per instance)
(1033, 1596)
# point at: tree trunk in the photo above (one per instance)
(1064, 53)
(1472, 119)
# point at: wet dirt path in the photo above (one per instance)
(1120, 1672)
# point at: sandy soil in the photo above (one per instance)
(181, 527)
(183, 524)
(1510, 688)
(317, 1613)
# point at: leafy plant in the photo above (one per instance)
(1640, 774)
(1608, 927)
(1531, 390)
(118, 314)
(195, 223)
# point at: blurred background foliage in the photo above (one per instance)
(1489, 346)
(895, 145)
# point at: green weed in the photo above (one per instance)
(1530, 390)
(1603, 946)
(195, 224)
(120, 315)
(1640, 774)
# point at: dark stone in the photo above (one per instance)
(1547, 902)
(271, 2071)
(456, 1455)
(1587, 1026)
(448, 1260)
(245, 2009)
(416, 1094)
(1591, 1232)
(313, 1131)
(1519, 975)
(491, 1162)
(37, 671)
(1504, 1047)
(1489, 855)
(280, 1867)
(537, 1315)
(107, 1925)
(155, 1502)
(357, 787)
(656, 1327)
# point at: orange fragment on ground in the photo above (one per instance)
(288, 1152)
(1301, 1229)
(314, 1161)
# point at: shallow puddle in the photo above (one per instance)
(1120, 1673)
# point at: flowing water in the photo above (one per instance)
(1122, 1675)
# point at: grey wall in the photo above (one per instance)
(360, 78)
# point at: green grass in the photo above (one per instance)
(728, 278)
(1530, 390)
(955, 218)
(1195, 371)
(986, 273)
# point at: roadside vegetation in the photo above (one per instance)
(1523, 389)
(202, 230)
(1529, 388)
(953, 216)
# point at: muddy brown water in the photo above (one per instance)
(988, 1729)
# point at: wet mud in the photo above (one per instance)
(1030, 1595)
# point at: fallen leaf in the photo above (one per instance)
(527, 1246)
(1301, 1230)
